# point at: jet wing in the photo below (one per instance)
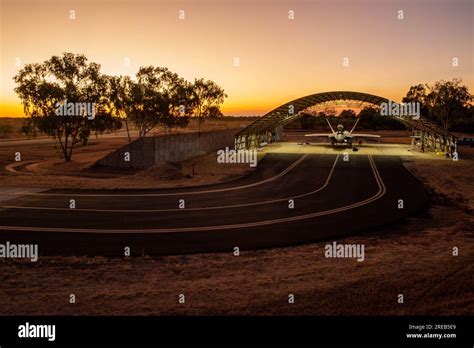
(362, 135)
(318, 135)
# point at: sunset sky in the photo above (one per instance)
(280, 59)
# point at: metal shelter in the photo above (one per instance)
(269, 127)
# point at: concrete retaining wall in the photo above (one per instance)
(146, 152)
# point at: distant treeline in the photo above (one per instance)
(461, 121)
(370, 118)
(235, 118)
(68, 97)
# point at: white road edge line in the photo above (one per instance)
(381, 192)
(187, 209)
(284, 172)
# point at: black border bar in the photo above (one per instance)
(140, 330)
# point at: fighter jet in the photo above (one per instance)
(342, 137)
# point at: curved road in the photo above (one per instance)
(332, 198)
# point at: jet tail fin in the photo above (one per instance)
(355, 125)
(332, 130)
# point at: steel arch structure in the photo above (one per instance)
(268, 128)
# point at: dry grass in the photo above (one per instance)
(448, 178)
(413, 258)
(50, 171)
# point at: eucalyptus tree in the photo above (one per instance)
(159, 97)
(207, 98)
(64, 97)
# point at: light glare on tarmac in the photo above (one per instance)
(365, 149)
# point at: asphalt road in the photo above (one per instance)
(332, 198)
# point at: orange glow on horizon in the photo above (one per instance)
(279, 59)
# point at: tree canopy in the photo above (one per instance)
(207, 97)
(44, 88)
(444, 102)
(155, 97)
